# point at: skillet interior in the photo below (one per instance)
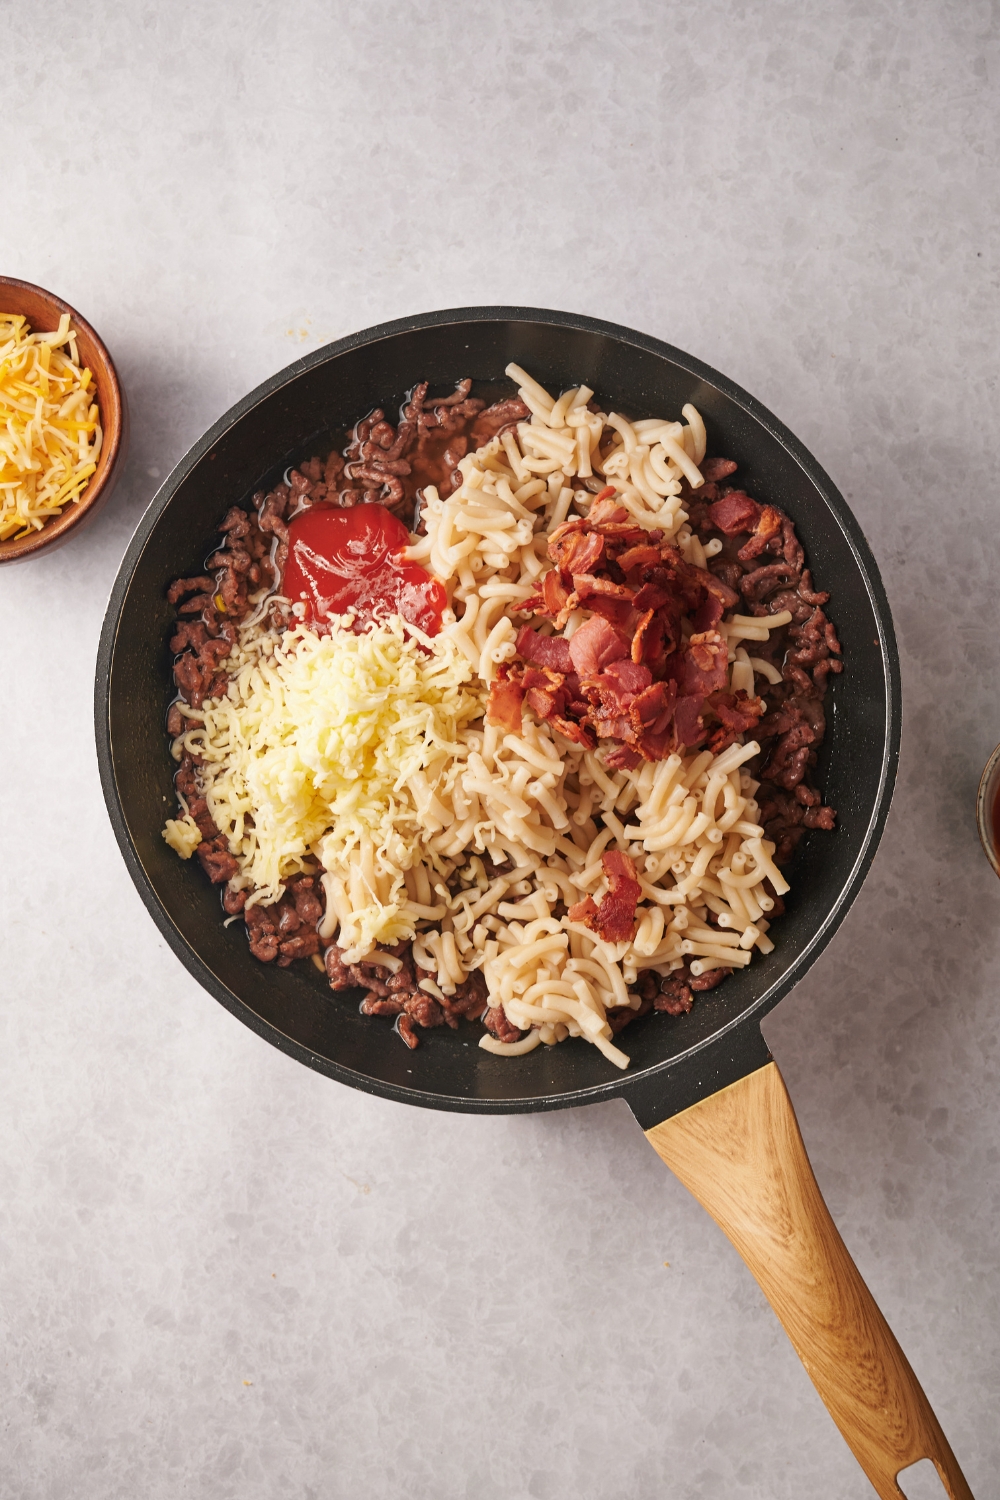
(278, 424)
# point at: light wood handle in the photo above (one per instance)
(741, 1154)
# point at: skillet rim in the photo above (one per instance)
(739, 1034)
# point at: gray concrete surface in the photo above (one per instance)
(223, 1275)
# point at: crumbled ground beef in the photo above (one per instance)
(286, 930)
(496, 1022)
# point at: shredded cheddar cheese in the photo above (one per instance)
(50, 429)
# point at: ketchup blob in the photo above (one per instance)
(349, 559)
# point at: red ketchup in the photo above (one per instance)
(349, 559)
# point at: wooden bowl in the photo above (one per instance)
(43, 311)
(986, 799)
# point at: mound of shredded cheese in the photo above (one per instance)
(50, 431)
(322, 746)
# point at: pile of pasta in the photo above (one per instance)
(50, 430)
(410, 840)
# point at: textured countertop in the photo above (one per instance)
(226, 1276)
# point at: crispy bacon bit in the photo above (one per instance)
(615, 917)
(544, 691)
(624, 758)
(704, 664)
(583, 911)
(579, 552)
(506, 697)
(586, 585)
(708, 615)
(768, 526)
(544, 650)
(736, 710)
(606, 510)
(627, 676)
(734, 513)
(737, 714)
(579, 734)
(651, 709)
(713, 470)
(688, 722)
(639, 557)
(555, 596)
(594, 646)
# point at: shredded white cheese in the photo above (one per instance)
(321, 751)
(50, 431)
(183, 835)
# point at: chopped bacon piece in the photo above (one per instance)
(594, 646)
(704, 664)
(615, 917)
(605, 510)
(737, 715)
(587, 584)
(639, 557)
(617, 612)
(688, 721)
(718, 586)
(628, 676)
(542, 704)
(545, 692)
(651, 596)
(623, 759)
(580, 734)
(647, 637)
(656, 746)
(651, 709)
(768, 526)
(580, 552)
(708, 615)
(506, 697)
(737, 710)
(715, 469)
(583, 911)
(734, 513)
(543, 650)
(611, 723)
(541, 677)
(554, 595)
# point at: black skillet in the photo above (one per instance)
(702, 1086)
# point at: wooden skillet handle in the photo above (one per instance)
(741, 1154)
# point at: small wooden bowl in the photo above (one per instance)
(989, 786)
(43, 312)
